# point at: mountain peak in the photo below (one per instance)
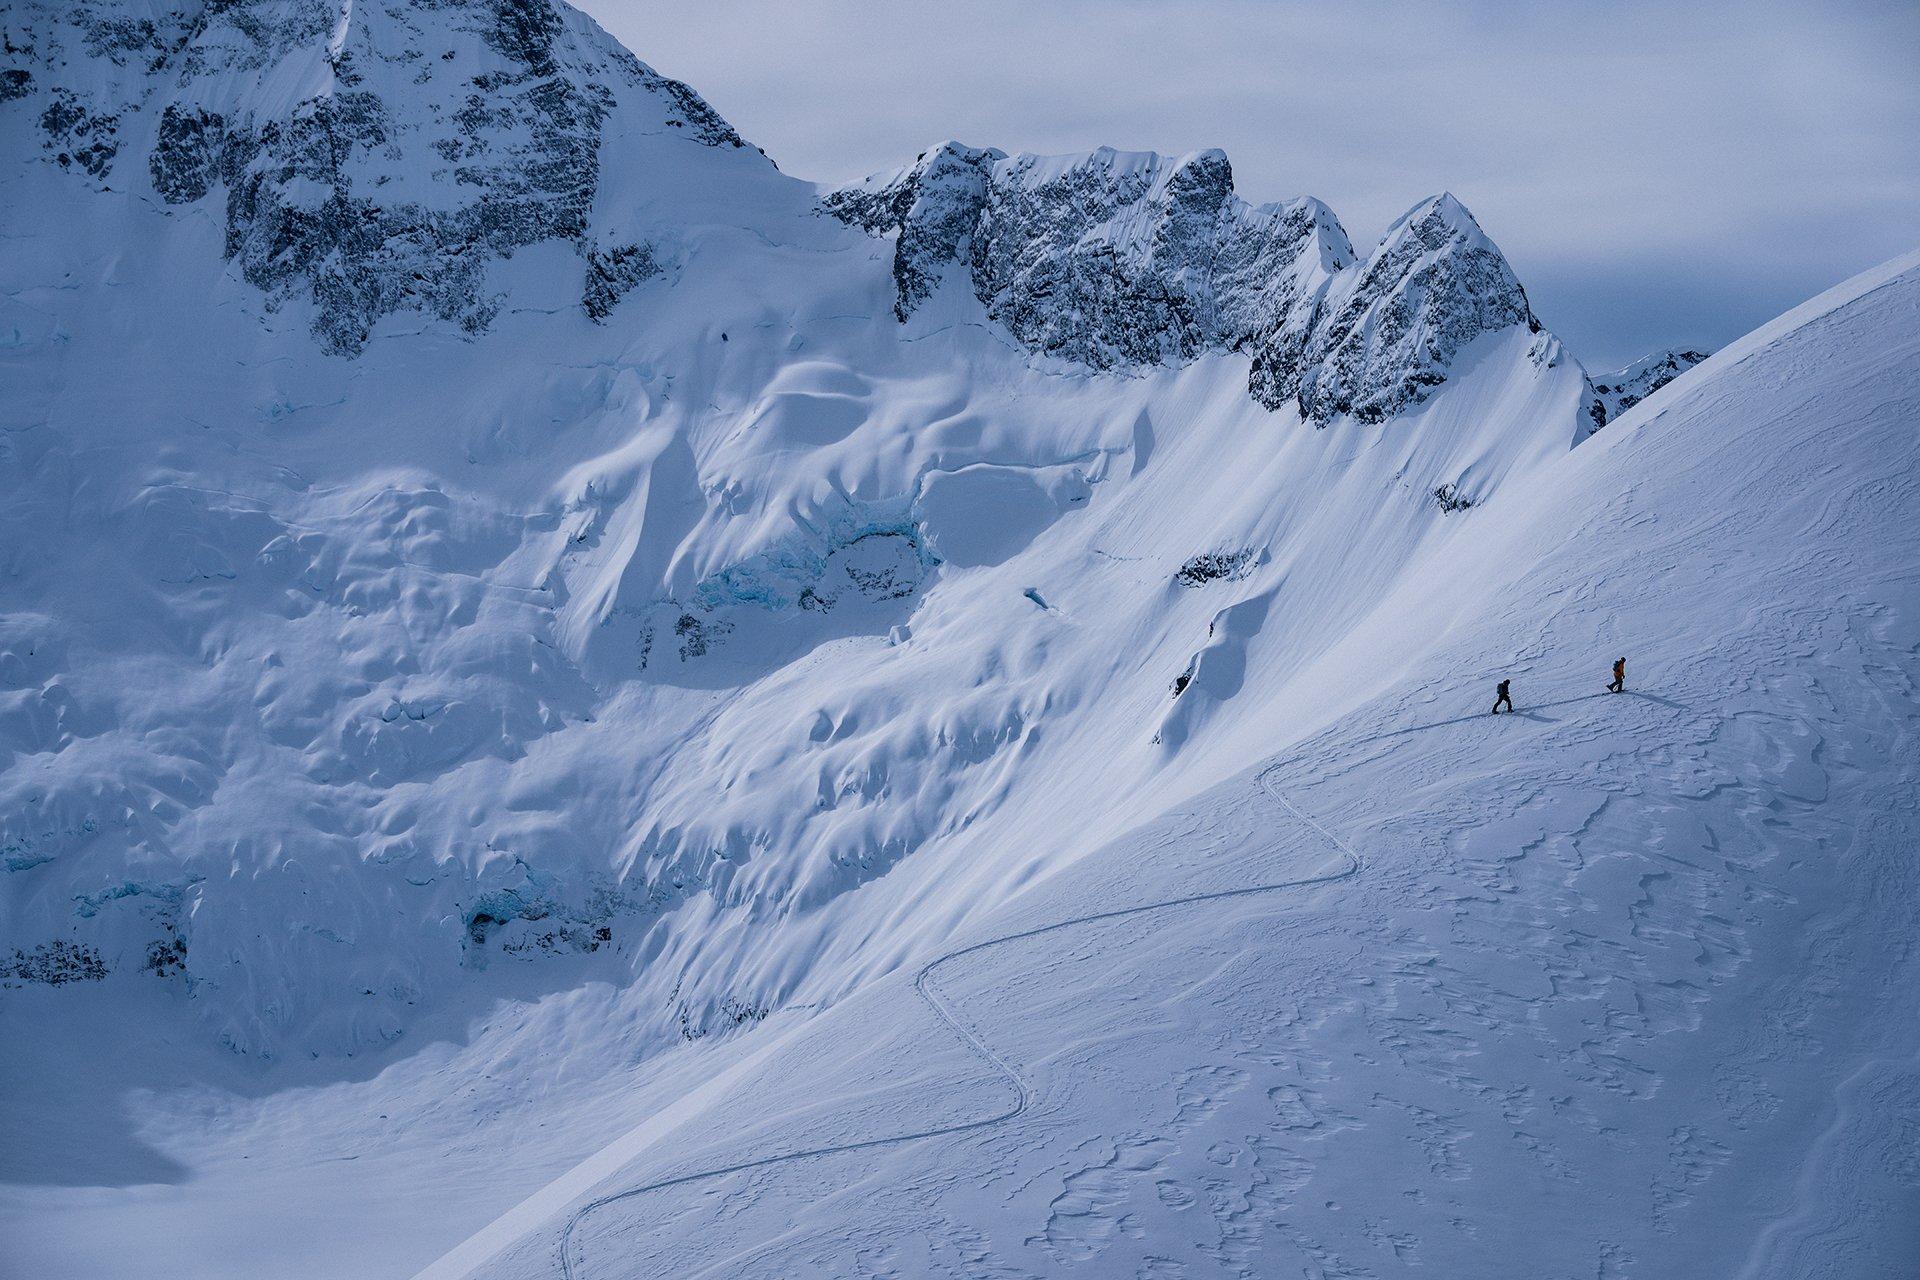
(1111, 258)
(1104, 257)
(1439, 224)
(367, 159)
(1386, 331)
(1442, 210)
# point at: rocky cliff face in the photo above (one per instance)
(370, 157)
(1112, 259)
(1624, 389)
(1108, 258)
(1387, 331)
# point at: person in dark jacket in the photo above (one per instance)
(1504, 696)
(1619, 684)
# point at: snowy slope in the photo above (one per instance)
(1616, 986)
(521, 626)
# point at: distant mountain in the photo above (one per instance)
(375, 159)
(1622, 390)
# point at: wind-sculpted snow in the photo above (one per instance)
(369, 158)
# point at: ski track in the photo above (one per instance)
(1024, 1092)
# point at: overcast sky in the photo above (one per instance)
(1659, 174)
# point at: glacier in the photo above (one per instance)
(574, 704)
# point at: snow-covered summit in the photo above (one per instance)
(1388, 329)
(367, 157)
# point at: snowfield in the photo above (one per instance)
(1622, 984)
(574, 705)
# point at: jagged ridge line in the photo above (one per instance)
(970, 1039)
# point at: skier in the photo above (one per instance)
(1504, 697)
(1619, 684)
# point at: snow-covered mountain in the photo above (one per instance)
(526, 622)
(1622, 390)
(1114, 259)
(662, 509)
(366, 158)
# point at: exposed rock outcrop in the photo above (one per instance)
(1386, 332)
(1108, 259)
(1113, 259)
(419, 144)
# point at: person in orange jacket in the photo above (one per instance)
(1619, 684)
